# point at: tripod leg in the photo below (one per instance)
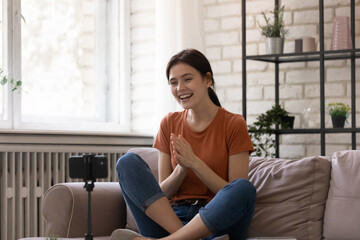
(89, 188)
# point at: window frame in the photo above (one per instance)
(119, 97)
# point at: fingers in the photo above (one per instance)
(179, 147)
(179, 142)
(176, 142)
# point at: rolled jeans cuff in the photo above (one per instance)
(151, 200)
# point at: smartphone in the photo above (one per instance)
(88, 167)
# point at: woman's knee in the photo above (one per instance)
(243, 187)
(127, 162)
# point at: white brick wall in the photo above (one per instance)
(142, 65)
(222, 26)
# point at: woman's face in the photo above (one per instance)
(188, 86)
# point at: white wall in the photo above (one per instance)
(299, 89)
(142, 64)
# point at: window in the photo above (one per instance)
(2, 89)
(71, 61)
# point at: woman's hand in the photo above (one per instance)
(183, 152)
(184, 155)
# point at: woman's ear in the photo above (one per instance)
(209, 79)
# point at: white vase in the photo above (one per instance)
(274, 45)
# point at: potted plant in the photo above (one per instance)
(262, 130)
(339, 113)
(274, 31)
(15, 84)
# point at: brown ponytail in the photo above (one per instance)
(214, 97)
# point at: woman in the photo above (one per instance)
(203, 165)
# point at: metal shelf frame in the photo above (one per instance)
(321, 56)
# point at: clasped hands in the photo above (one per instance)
(183, 153)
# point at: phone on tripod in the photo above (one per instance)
(88, 167)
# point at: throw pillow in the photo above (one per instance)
(291, 196)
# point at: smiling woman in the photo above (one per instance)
(187, 85)
(195, 64)
(203, 164)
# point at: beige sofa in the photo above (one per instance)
(310, 198)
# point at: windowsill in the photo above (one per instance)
(74, 133)
(46, 137)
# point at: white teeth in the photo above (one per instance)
(185, 96)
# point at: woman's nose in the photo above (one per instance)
(180, 85)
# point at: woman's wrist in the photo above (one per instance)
(181, 169)
(197, 164)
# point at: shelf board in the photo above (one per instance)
(317, 130)
(306, 57)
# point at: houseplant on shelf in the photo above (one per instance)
(15, 84)
(339, 113)
(262, 130)
(274, 31)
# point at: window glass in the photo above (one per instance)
(2, 88)
(61, 58)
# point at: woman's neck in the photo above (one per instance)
(199, 119)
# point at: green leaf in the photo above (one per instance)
(18, 83)
(274, 27)
(3, 81)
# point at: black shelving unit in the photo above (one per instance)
(319, 56)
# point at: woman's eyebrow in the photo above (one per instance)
(186, 75)
(182, 76)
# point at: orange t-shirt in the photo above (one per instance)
(225, 136)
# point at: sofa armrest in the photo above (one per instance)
(65, 205)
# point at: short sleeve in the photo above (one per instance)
(162, 140)
(239, 138)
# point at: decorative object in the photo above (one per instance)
(308, 44)
(15, 84)
(339, 113)
(274, 45)
(261, 131)
(311, 116)
(274, 31)
(341, 35)
(298, 45)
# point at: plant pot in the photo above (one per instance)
(338, 121)
(287, 122)
(274, 45)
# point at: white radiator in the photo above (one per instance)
(28, 170)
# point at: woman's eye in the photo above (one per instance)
(188, 79)
(173, 83)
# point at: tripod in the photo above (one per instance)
(89, 187)
(88, 167)
(89, 180)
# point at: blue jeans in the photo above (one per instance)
(229, 212)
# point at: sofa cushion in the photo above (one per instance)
(291, 196)
(342, 213)
(65, 209)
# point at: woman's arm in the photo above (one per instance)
(170, 181)
(238, 165)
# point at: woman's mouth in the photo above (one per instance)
(185, 97)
